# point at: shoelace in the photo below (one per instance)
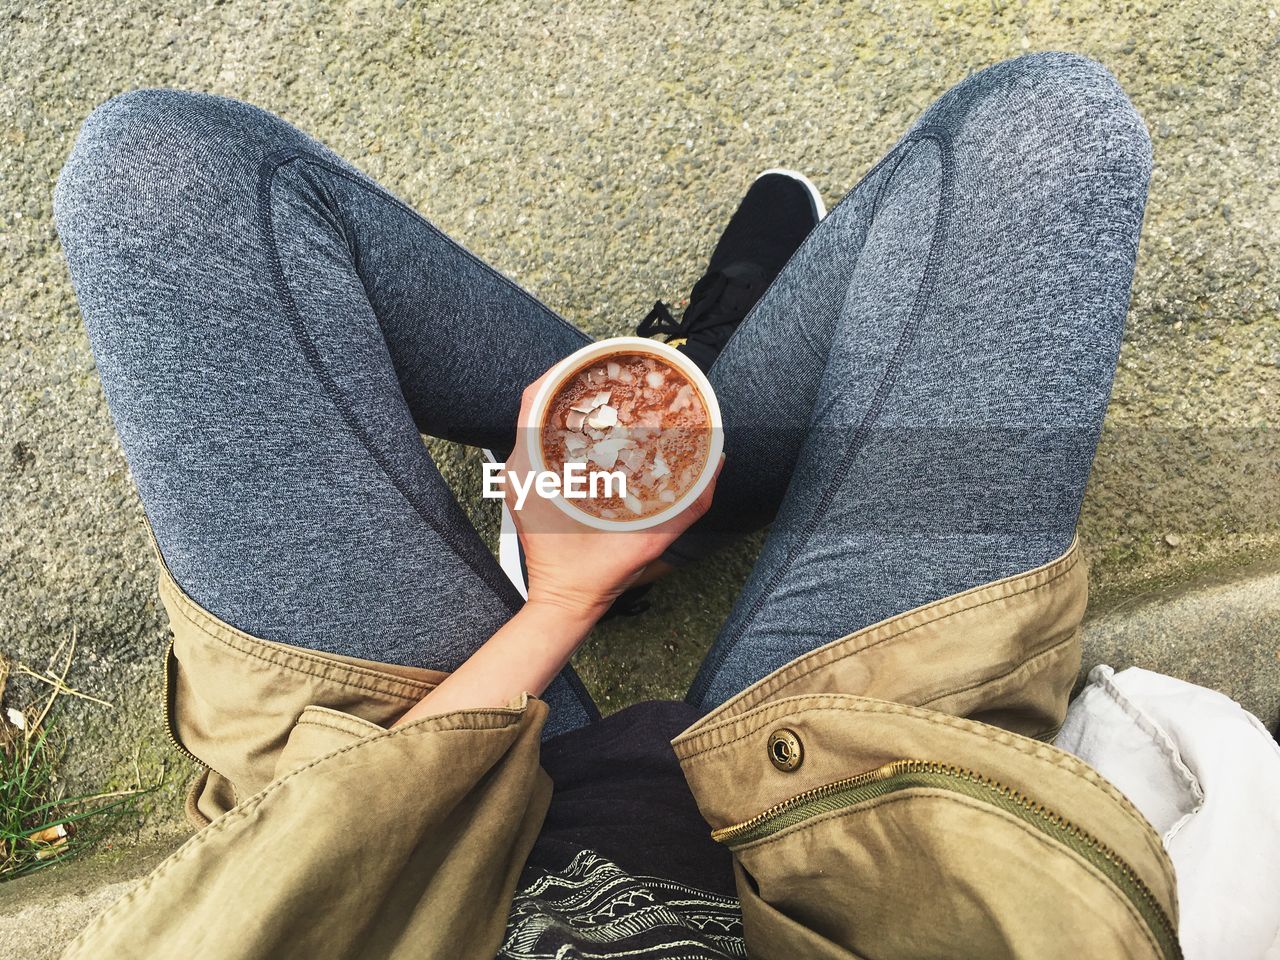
(716, 289)
(660, 320)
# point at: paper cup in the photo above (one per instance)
(593, 353)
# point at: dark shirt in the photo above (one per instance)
(625, 865)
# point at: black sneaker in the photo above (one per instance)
(773, 219)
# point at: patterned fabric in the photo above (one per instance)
(592, 908)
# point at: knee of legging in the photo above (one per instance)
(152, 157)
(1049, 115)
(1079, 98)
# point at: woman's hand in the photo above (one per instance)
(574, 567)
(575, 572)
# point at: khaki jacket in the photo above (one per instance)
(888, 795)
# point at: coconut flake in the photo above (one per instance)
(605, 457)
(660, 468)
(632, 458)
(683, 398)
(654, 379)
(613, 370)
(605, 452)
(603, 417)
(574, 419)
(633, 504)
(667, 496)
(574, 442)
(587, 404)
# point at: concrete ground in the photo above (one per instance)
(41, 914)
(592, 151)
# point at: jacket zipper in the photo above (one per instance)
(168, 710)
(167, 693)
(915, 774)
(168, 662)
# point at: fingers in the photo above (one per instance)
(703, 503)
(527, 397)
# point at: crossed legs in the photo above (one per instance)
(914, 404)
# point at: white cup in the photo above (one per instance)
(592, 353)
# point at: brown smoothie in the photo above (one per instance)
(635, 414)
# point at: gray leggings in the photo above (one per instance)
(914, 404)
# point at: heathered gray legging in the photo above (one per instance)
(916, 399)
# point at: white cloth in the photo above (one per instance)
(1206, 774)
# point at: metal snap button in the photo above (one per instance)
(785, 751)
